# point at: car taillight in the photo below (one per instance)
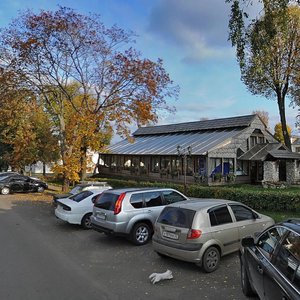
(118, 204)
(194, 234)
(68, 208)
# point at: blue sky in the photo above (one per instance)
(191, 38)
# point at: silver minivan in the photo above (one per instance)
(203, 230)
(132, 212)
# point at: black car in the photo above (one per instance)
(12, 183)
(270, 263)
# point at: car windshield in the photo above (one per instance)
(80, 196)
(76, 189)
(178, 217)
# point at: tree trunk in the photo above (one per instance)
(83, 163)
(281, 107)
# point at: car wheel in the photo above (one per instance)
(246, 286)
(140, 234)
(86, 221)
(40, 189)
(211, 259)
(5, 191)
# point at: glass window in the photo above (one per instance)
(242, 213)
(136, 200)
(253, 141)
(154, 164)
(242, 167)
(269, 240)
(153, 199)
(80, 196)
(228, 165)
(179, 217)
(216, 165)
(288, 258)
(107, 201)
(172, 197)
(219, 216)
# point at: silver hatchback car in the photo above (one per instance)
(203, 230)
(132, 212)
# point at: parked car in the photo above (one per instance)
(270, 263)
(78, 208)
(12, 183)
(203, 230)
(84, 186)
(132, 212)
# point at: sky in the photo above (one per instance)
(191, 37)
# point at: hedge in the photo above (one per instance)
(258, 199)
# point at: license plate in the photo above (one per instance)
(170, 235)
(101, 216)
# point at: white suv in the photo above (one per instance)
(132, 212)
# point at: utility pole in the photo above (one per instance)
(184, 153)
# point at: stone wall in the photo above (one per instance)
(271, 171)
(290, 171)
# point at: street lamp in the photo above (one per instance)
(184, 153)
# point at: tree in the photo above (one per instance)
(268, 51)
(52, 50)
(278, 132)
(25, 129)
(264, 116)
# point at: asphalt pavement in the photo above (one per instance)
(43, 258)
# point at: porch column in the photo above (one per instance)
(271, 171)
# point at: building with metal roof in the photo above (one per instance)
(211, 151)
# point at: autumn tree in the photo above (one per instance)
(52, 50)
(25, 130)
(264, 116)
(267, 50)
(278, 132)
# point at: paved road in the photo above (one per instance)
(43, 258)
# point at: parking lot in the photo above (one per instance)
(42, 257)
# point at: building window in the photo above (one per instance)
(242, 167)
(127, 163)
(216, 164)
(154, 164)
(253, 141)
(228, 166)
(261, 140)
(297, 149)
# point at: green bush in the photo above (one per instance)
(258, 199)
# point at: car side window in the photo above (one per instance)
(153, 199)
(219, 216)
(172, 197)
(288, 258)
(136, 200)
(242, 213)
(269, 240)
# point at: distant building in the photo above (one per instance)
(239, 149)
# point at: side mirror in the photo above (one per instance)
(248, 241)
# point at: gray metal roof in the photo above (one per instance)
(233, 122)
(261, 151)
(166, 144)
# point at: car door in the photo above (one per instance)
(153, 204)
(247, 221)
(284, 281)
(223, 229)
(259, 258)
(16, 183)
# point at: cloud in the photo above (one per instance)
(200, 28)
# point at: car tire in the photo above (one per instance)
(140, 234)
(5, 191)
(41, 189)
(245, 282)
(86, 221)
(211, 259)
